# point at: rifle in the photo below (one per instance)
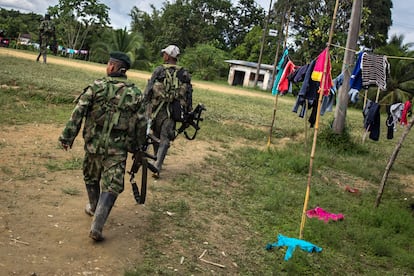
(193, 119)
(140, 158)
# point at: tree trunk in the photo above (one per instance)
(349, 57)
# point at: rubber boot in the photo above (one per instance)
(161, 153)
(94, 191)
(38, 57)
(105, 203)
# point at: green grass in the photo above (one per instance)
(249, 193)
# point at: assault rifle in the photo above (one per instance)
(193, 119)
(140, 158)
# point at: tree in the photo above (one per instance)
(205, 62)
(117, 40)
(376, 23)
(310, 24)
(76, 18)
(247, 14)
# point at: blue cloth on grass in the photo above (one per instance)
(292, 243)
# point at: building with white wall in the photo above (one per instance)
(244, 72)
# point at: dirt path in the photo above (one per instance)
(43, 227)
(135, 74)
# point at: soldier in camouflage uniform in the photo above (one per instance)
(166, 112)
(114, 125)
(46, 36)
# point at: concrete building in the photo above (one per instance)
(244, 72)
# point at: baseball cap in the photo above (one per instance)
(172, 51)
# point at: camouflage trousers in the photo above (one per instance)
(109, 172)
(43, 46)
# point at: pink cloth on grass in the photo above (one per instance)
(323, 215)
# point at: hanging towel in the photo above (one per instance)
(318, 70)
(292, 243)
(407, 108)
(280, 66)
(283, 85)
(374, 70)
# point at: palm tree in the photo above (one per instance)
(400, 84)
(118, 40)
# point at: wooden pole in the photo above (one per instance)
(315, 135)
(256, 77)
(391, 162)
(269, 140)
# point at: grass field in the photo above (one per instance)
(248, 192)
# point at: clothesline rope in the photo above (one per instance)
(355, 51)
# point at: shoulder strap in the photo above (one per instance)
(110, 121)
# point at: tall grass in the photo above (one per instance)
(244, 193)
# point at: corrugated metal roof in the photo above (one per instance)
(250, 64)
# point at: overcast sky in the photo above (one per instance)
(402, 13)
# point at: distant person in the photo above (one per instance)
(169, 93)
(114, 124)
(47, 37)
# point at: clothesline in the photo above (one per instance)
(356, 51)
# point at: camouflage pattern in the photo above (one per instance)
(46, 34)
(158, 86)
(106, 151)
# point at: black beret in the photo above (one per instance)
(120, 56)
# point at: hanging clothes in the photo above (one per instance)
(395, 113)
(372, 120)
(318, 71)
(406, 110)
(374, 69)
(308, 91)
(328, 101)
(284, 83)
(280, 66)
(356, 77)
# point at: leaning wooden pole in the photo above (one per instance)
(315, 135)
(269, 140)
(391, 162)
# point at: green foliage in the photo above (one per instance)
(341, 143)
(206, 62)
(375, 27)
(14, 23)
(75, 19)
(120, 40)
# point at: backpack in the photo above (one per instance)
(116, 109)
(172, 88)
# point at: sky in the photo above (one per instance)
(402, 12)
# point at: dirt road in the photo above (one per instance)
(43, 227)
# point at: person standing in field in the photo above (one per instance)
(47, 37)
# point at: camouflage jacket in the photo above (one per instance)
(155, 91)
(46, 28)
(114, 118)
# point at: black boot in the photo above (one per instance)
(94, 191)
(105, 203)
(38, 57)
